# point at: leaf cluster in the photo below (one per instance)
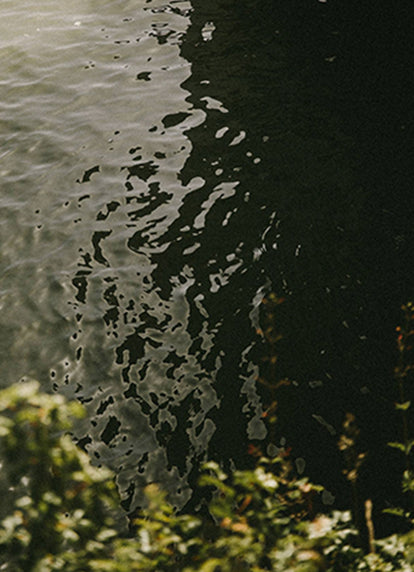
(54, 500)
(61, 513)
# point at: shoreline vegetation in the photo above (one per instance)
(59, 512)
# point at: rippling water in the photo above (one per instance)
(163, 166)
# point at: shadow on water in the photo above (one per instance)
(293, 175)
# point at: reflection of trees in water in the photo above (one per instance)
(278, 193)
(293, 221)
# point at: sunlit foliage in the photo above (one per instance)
(58, 512)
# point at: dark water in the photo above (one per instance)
(256, 147)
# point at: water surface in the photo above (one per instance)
(164, 166)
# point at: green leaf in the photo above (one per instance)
(211, 565)
(395, 511)
(403, 406)
(404, 447)
(396, 445)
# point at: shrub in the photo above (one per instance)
(61, 513)
(55, 503)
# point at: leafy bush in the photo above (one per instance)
(54, 501)
(260, 520)
(61, 513)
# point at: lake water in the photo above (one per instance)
(164, 165)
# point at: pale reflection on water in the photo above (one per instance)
(94, 140)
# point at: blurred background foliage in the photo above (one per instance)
(59, 512)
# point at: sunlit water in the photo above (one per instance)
(163, 166)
